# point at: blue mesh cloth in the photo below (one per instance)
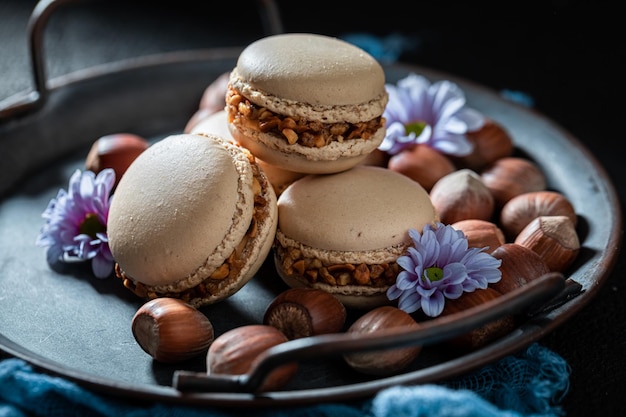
(531, 383)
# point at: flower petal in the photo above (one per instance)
(433, 306)
(440, 246)
(88, 196)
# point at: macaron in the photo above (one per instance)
(193, 217)
(217, 123)
(344, 232)
(307, 103)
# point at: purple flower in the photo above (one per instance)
(75, 228)
(440, 265)
(419, 112)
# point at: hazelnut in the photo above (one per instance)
(484, 334)
(236, 351)
(303, 312)
(519, 266)
(214, 96)
(481, 233)
(376, 158)
(490, 143)
(196, 119)
(170, 330)
(511, 176)
(461, 195)
(423, 164)
(522, 209)
(387, 361)
(213, 100)
(553, 238)
(116, 151)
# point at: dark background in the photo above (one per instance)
(567, 56)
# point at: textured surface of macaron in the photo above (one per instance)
(362, 209)
(307, 75)
(217, 123)
(180, 211)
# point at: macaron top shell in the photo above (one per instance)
(362, 209)
(282, 71)
(171, 221)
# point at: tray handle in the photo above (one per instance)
(25, 103)
(530, 299)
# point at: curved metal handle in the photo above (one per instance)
(525, 300)
(19, 105)
(36, 25)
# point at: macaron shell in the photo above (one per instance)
(217, 123)
(364, 208)
(314, 69)
(169, 216)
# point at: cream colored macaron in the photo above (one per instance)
(343, 232)
(193, 217)
(307, 103)
(217, 123)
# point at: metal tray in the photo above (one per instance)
(68, 323)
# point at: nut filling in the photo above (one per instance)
(226, 274)
(293, 130)
(314, 271)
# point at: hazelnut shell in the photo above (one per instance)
(554, 239)
(522, 209)
(519, 266)
(116, 151)
(490, 143)
(387, 361)
(421, 163)
(462, 195)
(170, 330)
(236, 351)
(481, 233)
(511, 176)
(303, 312)
(484, 334)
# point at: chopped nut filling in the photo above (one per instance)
(294, 130)
(313, 270)
(224, 274)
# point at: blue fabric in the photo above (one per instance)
(531, 383)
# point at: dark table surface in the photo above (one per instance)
(565, 55)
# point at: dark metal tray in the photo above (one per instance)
(70, 324)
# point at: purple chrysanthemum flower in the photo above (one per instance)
(419, 112)
(440, 265)
(76, 222)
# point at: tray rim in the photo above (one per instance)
(533, 331)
